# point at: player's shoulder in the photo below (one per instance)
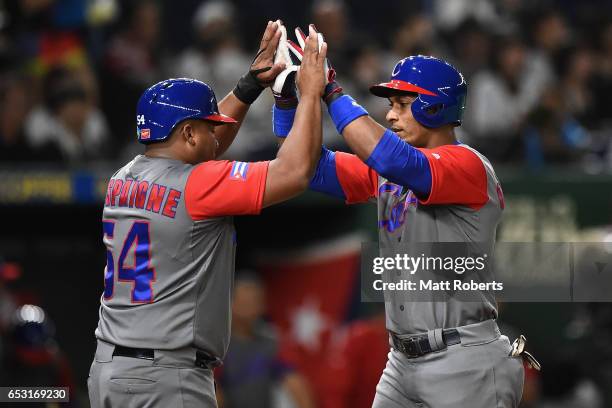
(212, 164)
(221, 169)
(481, 157)
(459, 152)
(143, 167)
(126, 168)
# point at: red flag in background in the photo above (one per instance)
(308, 294)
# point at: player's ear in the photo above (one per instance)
(187, 133)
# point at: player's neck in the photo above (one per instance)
(161, 155)
(162, 151)
(441, 137)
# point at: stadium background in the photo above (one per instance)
(540, 89)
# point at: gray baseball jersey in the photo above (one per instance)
(465, 205)
(171, 244)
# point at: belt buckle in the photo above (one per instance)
(411, 347)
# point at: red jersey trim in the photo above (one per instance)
(211, 191)
(358, 181)
(458, 176)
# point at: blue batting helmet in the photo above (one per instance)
(165, 104)
(440, 89)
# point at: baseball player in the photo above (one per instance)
(167, 224)
(429, 188)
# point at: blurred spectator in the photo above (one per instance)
(34, 358)
(415, 36)
(552, 135)
(331, 18)
(577, 73)
(590, 329)
(217, 59)
(368, 67)
(360, 360)
(551, 34)
(25, 16)
(8, 272)
(500, 99)
(565, 386)
(130, 65)
(67, 121)
(40, 35)
(471, 45)
(253, 367)
(450, 14)
(14, 107)
(216, 56)
(602, 82)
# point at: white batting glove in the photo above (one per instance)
(284, 84)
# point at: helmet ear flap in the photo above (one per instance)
(434, 110)
(430, 116)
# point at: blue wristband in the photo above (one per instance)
(343, 111)
(282, 121)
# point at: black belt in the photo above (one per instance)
(202, 358)
(417, 346)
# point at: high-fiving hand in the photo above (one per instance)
(263, 70)
(265, 67)
(298, 50)
(284, 84)
(332, 89)
(311, 78)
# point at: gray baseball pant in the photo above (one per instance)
(171, 379)
(478, 373)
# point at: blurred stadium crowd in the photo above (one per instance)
(540, 89)
(539, 72)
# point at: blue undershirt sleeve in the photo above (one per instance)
(325, 179)
(402, 164)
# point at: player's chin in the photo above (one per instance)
(413, 139)
(403, 135)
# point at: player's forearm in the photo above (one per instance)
(381, 149)
(235, 108)
(363, 135)
(290, 172)
(300, 152)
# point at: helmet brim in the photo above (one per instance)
(398, 87)
(220, 118)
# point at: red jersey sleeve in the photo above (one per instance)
(458, 176)
(358, 181)
(219, 188)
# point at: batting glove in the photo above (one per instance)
(263, 70)
(283, 88)
(332, 90)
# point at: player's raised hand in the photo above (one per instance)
(263, 70)
(330, 72)
(311, 75)
(263, 67)
(332, 88)
(284, 84)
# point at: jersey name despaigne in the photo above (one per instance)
(152, 197)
